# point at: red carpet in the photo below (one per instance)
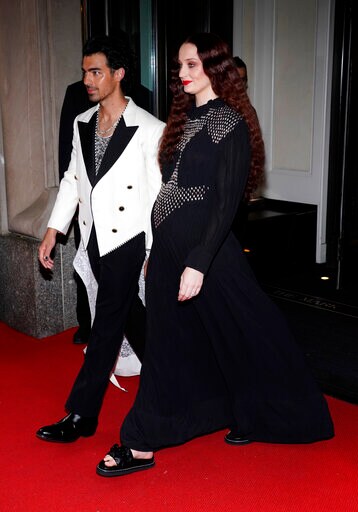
(203, 475)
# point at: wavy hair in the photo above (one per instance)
(219, 66)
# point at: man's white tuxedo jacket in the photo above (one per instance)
(119, 199)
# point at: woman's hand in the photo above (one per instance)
(191, 282)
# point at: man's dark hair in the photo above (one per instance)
(117, 52)
(239, 62)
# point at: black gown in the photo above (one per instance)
(225, 358)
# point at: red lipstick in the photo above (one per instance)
(186, 82)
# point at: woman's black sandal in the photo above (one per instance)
(125, 463)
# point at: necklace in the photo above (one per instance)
(101, 140)
(102, 133)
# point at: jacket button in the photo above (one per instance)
(121, 208)
(114, 230)
(80, 200)
(76, 178)
(84, 222)
(129, 186)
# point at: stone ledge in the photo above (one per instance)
(33, 301)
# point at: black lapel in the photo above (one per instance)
(120, 139)
(86, 131)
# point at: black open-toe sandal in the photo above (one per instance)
(125, 463)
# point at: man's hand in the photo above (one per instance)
(47, 244)
(191, 282)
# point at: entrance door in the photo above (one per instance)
(342, 218)
(178, 20)
(133, 20)
(155, 29)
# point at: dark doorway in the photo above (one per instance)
(342, 218)
(175, 22)
(132, 20)
(155, 29)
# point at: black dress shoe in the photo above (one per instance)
(233, 437)
(125, 462)
(68, 429)
(80, 338)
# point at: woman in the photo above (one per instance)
(218, 352)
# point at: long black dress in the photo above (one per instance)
(226, 357)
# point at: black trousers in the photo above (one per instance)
(119, 311)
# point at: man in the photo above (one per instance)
(75, 102)
(113, 178)
(242, 69)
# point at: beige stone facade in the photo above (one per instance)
(40, 54)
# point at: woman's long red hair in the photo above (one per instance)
(220, 67)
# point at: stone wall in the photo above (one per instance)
(34, 301)
(40, 53)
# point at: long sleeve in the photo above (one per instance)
(231, 178)
(67, 197)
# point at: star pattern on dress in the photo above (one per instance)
(172, 197)
(219, 122)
